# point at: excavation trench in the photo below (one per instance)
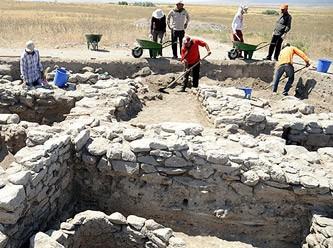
(183, 192)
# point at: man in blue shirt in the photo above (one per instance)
(30, 65)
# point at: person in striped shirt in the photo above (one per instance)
(30, 65)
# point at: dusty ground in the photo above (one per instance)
(210, 242)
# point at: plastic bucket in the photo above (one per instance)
(323, 65)
(248, 92)
(60, 78)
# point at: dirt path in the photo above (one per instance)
(209, 242)
(175, 107)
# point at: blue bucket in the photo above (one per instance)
(323, 65)
(248, 92)
(60, 78)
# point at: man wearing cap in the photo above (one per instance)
(180, 19)
(282, 27)
(30, 65)
(158, 25)
(237, 25)
(191, 56)
(285, 65)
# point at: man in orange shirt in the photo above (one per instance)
(191, 56)
(285, 63)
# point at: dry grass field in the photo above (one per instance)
(64, 25)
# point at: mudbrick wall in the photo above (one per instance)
(291, 118)
(94, 229)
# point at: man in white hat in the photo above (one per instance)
(30, 65)
(237, 25)
(158, 25)
(180, 19)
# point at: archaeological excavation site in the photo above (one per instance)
(111, 162)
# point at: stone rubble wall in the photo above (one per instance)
(321, 232)
(293, 119)
(247, 186)
(96, 229)
(35, 190)
(108, 98)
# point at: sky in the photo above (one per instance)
(234, 2)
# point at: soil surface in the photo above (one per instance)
(209, 242)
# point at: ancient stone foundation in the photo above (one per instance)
(263, 175)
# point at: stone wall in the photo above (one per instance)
(35, 190)
(252, 189)
(321, 232)
(94, 229)
(291, 119)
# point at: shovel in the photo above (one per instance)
(174, 82)
(269, 86)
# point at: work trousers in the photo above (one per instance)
(195, 76)
(276, 44)
(158, 36)
(177, 36)
(289, 70)
(239, 37)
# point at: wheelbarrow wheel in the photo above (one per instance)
(233, 54)
(137, 52)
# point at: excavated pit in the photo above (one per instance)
(235, 179)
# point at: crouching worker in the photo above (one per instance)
(30, 66)
(191, 57)
(285, 65)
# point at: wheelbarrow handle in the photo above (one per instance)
(168, 43)
(262, 45)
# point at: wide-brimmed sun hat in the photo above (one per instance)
(179, 2)
(30, 46)
(244, 8)
(158, 13)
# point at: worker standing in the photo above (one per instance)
(282, 27)
(237, 25)
(158, 26)
(191, 56)
(285, 65)
(177, 20)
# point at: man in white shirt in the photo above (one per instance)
(180, 19)
(237, 25)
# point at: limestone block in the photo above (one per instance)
(118, 218)
(3, 240)
(114, 151)
(256, 117)
(127, 154)
(171, 171)
(201, 172)
(141, 145)
(151, 225)
(11, 197)
(148, 160)
(81, 139)
(176, 243)
(176, 162)
(41, 240)
(131, 134)
(164, 234)
(217, 157)
(250, 178)
(136, 222)
(125, 167)
(20, 178)
(187, 128)
(98, 146)
(162, 154)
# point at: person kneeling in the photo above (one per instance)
(30, 66)
(191, 58)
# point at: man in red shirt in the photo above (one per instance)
(191, 56)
